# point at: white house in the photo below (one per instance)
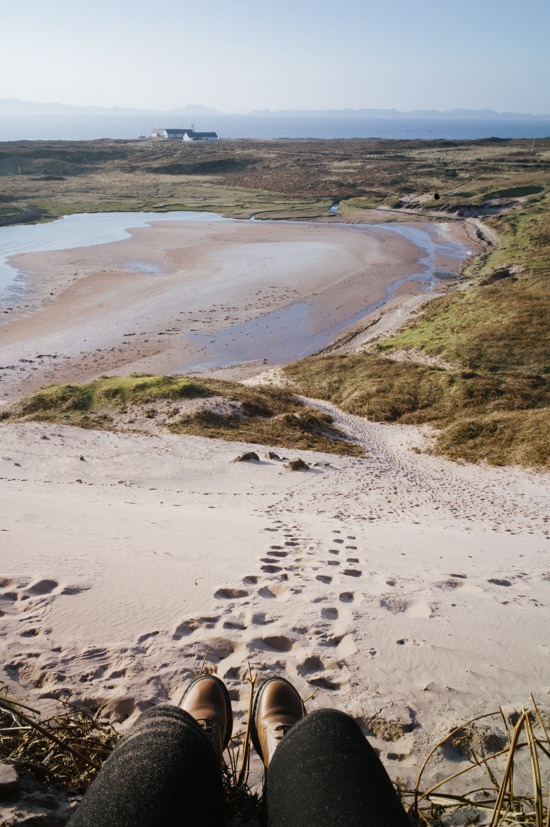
(184, 135)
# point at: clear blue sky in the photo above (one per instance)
(300, 54)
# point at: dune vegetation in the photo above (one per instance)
(475, 363)
(209, 407)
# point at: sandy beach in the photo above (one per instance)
(398, 586)
(181, 296)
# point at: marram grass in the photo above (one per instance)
(230, 411)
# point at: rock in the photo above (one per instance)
(9, 780)
(297, 465)
(249, 456)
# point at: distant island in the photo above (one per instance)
(16, 106)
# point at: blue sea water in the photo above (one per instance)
(271, 126)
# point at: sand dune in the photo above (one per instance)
(400, 585)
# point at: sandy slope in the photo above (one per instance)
(399, 584)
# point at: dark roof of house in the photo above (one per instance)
(180, 132)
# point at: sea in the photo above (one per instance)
(85, 127)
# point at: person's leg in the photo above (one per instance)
(163, 772)
(324, 772)
(167, 770)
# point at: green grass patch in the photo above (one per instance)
(108, 393)
(393, 391)
(235, 412)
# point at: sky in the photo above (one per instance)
(242, 55)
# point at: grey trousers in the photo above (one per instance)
(165, 773)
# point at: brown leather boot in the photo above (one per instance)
(277, 707)
(207, 700)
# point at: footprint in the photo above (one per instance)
(274, 643)
(42, 587)
(311, 665)
(324, 683)
(274, 591)
(395, 605)
(250, 579)
(347, 597)
(271, 569)
(69, 590)
(232, 674)
(30, 633)
(323, 578)
(219, 648)
(330, 613)
(234, 624)
(448, 584)
(403, 641)
(352, 572)
(183, 629)
(261, 619)
(230, 594)
(208, 620)
(143, 638)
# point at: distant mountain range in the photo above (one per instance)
(16, 106)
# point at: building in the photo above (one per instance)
(183, 135)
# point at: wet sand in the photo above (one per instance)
(179, 297)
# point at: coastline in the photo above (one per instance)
(202, 295)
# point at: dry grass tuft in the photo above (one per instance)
(66, 750)
(493, 788)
